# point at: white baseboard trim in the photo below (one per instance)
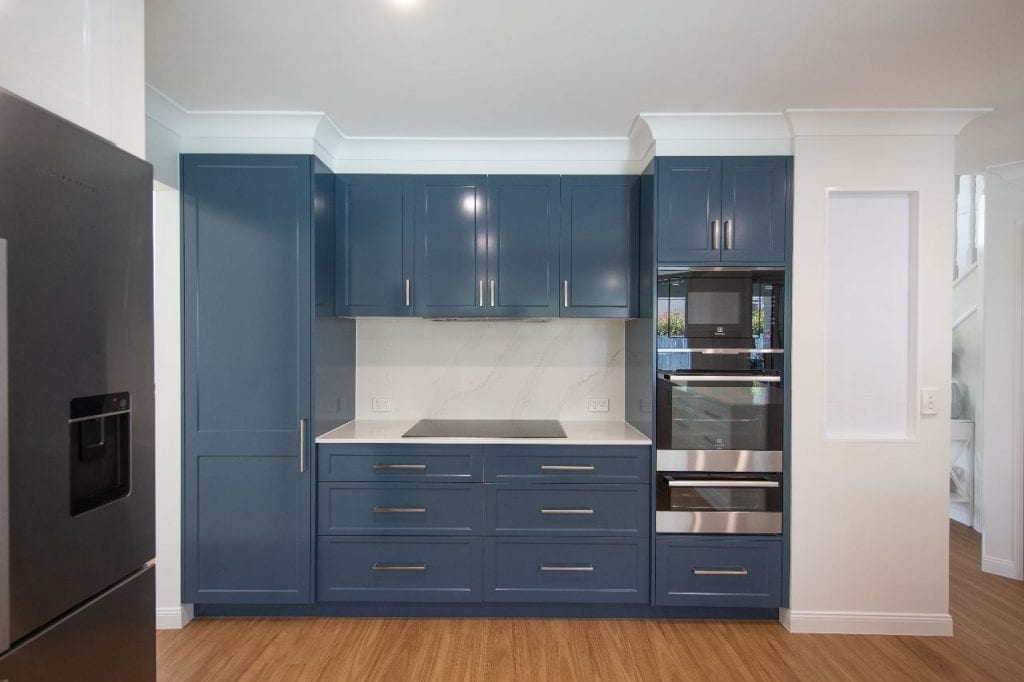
(867, 623)
(173, 617)
(1000, 567)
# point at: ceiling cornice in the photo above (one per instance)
(1007, 171)
(840, 122)
(650, 134)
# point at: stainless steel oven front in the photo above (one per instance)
(719, 491)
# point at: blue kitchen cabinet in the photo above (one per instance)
(522, 245)
(487, 247)
(722, 210)
(599, 246)
(718, 571)
(451, 245)
(248, 280)
(375, 244)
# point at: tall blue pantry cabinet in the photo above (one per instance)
(250, 228)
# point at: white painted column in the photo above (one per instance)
(869, 517)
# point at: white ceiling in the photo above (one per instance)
(585, 68)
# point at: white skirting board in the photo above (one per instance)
(1001, 567)
(867, 623)
(173, 617)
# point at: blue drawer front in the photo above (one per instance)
(399, 509)
(567, 464)
(566, 570)
(398, 569)
(718, 572)
(437, 463)
(567, 510)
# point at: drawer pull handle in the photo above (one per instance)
(566, 569)
(566, 467)
(720, 571)
(567, 511)
(401, 467)
(399, 510)
(400, 567)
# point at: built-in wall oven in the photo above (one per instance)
(720, 401)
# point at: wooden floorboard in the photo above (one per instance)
(988, 644)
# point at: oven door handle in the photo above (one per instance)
(723, 483)
(684, 378)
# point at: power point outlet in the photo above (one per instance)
(929, 400)
(381, 405)
(597, 404)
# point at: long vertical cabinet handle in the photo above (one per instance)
(492, 293)
(408, 293)
(716, 235)
(565, 293)
(481, 294)
(302, 445)
(728, 235)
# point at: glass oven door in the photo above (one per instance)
(719, 503)
(720, 412)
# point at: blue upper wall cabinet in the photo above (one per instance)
(375, 244)
(730, 210)
(451, 245)
(522, 245)
(248, 280)
(599, 246)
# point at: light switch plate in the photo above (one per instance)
(381, 405)
(929, 401)
(597, 404)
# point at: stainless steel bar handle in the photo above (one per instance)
(719, 571)
(728, 235)
(404, 467)
(566, 467)
(716, 234)
(683, 378)
(400, 567)
(481, 294)
(574, 512)
(725, 483)
(302, 446)
(399, 510)
(565, 293)
(492, 293)
(408, 293)
(566, 569)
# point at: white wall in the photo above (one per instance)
(869, 519)
(82, 59)
(490, 369)
(1001, 436)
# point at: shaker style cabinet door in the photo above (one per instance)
(754, 209)
(599, 246)
(375, 244)
(522, 246)
(689, 209)
(451, 237)
(247, 315)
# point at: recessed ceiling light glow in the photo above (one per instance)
(405, 4)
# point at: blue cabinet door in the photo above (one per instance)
(375, 230)
(451, 237)
(522, 245)
(754, 205)
(689, 208)
(599, 246)
(247, 317)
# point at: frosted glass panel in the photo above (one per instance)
(870, 305)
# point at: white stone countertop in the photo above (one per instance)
(576, 433)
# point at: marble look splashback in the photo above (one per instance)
(489, 369)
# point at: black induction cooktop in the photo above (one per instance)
(485, 428)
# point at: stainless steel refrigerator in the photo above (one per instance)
(76, 403)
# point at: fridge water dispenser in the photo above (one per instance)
(101, 450)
